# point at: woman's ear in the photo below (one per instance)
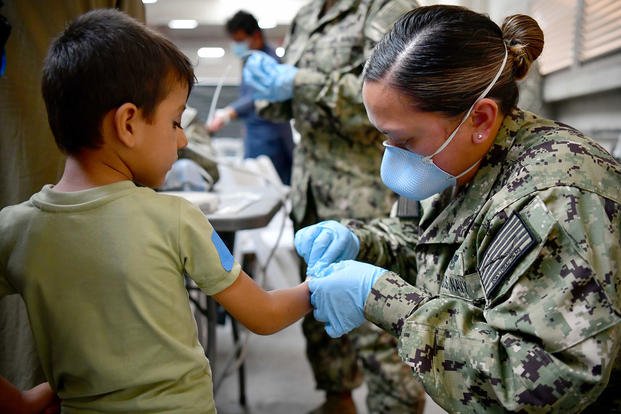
(484, 116)
(126, 118)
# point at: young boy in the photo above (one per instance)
(99, 261)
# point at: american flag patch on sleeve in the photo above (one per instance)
(511, 243)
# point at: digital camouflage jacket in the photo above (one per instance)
(510, 297)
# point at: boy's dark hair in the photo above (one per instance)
(101, 61)
(242, 21)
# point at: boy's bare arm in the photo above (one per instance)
(264, 312)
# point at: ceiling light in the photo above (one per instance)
(149, 1)
(267, 23)
(183, 24)
(210, 52)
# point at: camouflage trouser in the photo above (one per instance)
(391, 386)
(333, 361)
(336, 363)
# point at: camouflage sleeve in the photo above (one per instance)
(392, 301)
(388, 243)
(274, 111)
(545, 337)
(341, 90)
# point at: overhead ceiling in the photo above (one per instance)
(215, 12)
(211, 16)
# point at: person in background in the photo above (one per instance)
(504, 290)
(335, 175)
(100, 258)
(262, 137)
(28, 156)
(196, 169)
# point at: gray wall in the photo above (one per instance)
(588, 97)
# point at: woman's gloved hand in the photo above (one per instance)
(324, 243)
(270, 80)
(339, 292)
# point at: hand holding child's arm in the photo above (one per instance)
(40, 399)
(324, 243)
(264, 312)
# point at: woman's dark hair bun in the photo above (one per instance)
(524, 39)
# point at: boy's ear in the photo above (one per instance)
(126, 123)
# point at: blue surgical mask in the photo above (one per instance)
(240, 49)
(416, 176)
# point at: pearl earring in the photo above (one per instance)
(479, 135)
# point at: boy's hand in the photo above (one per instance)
(41, 399)
(339, 293)
(324, 243)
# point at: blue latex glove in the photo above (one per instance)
(339, 293)
(324, 243)
(270, 80)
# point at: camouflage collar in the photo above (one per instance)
(454, 217)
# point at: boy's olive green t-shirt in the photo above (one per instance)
(102, 274)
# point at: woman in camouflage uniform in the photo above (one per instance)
(504, 289)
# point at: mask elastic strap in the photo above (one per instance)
(481, 96)
(467, 170)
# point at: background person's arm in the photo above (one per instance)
(242, 106)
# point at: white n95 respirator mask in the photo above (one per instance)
(412, 175)
(416, 176)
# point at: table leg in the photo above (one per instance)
(241, 370)
(229, 240)
(212, 322)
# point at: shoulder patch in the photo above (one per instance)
(226, 258)
(511, 243)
